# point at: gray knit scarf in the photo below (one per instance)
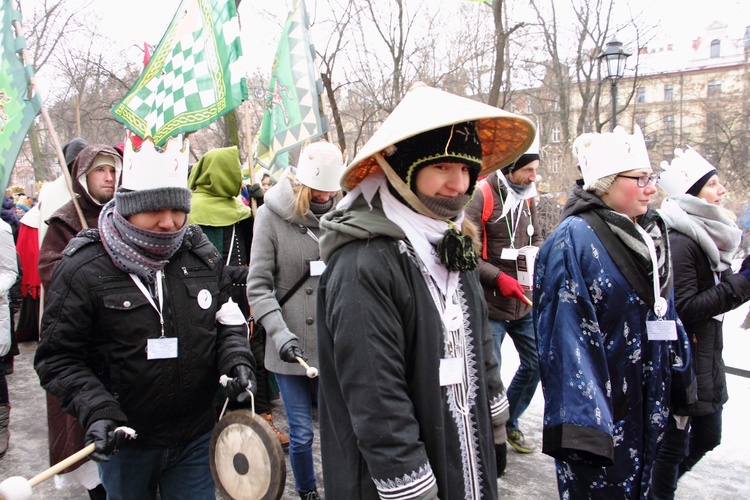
(626, 232)
(135, 250)
(710, 226)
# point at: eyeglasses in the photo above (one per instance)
(643, 180)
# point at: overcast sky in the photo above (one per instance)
(136, 21)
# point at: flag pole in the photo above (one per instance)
(53, 135)
(249, 151)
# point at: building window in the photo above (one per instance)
(713, 124)
(714, 89)
(529, 109)
(556, 104)
(555, 165)
(715, 48)
(669, 124)
(668, 93)
(640, 95)
(556, 133)
(641, 122)
(588, 127)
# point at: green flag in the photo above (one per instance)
(17, 112)
(292, 111)
(193, 77)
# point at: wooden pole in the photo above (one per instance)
(53, 135)
(249, 151)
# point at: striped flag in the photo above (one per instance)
(17, 111)
(193, 77)
(292, 111)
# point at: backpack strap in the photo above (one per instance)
(487, 208)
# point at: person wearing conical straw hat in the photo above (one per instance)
(612, 352)
(411, 402)
(704, 237)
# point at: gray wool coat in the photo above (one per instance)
(280, 254)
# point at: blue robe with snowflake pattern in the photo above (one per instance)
(606, 386)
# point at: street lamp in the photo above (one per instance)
(615, 57)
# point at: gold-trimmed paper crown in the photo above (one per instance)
(603, 154)
(149, 167)
(687, 168)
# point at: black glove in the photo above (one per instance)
(243, 378)
(255, 191)
(102, 434)
(290, 351)
(501, 458)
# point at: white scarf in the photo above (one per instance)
(423, 232)
(709, 225)
(513, 199)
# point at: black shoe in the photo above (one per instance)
(501, 458)
(309, 495)
(8, 364)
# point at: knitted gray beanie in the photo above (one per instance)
(128, 202)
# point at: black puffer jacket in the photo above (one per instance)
(92, 355)
(698, 299)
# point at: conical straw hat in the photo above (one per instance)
(505, 136)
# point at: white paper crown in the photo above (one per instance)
(600, 155)
(686, 169)
(152, 168)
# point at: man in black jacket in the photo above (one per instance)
(138, 327)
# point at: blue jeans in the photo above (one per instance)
(523, 386)
(297, 393)
(179, 473)
(680, 450)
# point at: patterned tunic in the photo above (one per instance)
(389, 428)
(606, 386)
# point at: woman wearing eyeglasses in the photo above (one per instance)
(704, 238)
(608, 341)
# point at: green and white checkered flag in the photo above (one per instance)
(193, 77)
(17, 111)
(292, 113)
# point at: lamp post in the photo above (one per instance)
(615, 57)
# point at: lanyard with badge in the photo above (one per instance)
(660, 329)
(512, 252)
(316, 266)
(163, 347)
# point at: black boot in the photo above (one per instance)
(309, 495)
(501, 458)
(4, 431)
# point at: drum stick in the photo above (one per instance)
(19, 488)
(310, 371)
(527, 300)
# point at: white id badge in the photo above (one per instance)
(661, 330)
(451, 371)
(509, 254)
(317, 267)
(162, 348)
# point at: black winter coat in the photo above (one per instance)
(698, 299)
(92, 355)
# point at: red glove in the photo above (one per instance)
(510, 287)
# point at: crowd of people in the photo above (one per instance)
(398, 275)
